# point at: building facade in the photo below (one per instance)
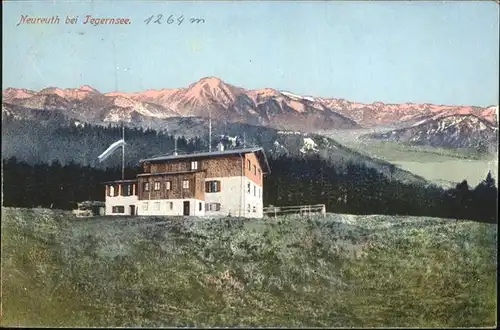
(220, 183)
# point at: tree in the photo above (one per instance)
(462, 200)
(486, 200)
(488, 182)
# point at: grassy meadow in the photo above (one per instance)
(333, 271)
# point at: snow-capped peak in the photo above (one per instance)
(299, 97)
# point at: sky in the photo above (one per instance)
(393, 52)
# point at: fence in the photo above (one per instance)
(304, 210)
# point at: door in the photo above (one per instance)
(186, 208)
(132, 209)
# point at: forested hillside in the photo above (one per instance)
(51, 140)
(307, 180)
(51, 137)
(53, 163)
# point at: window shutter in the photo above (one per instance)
(218, 186)
(217, 207)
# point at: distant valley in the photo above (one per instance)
(451, 132)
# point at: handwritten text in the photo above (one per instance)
(172, 19)
(98, 21)
(25, 19)
(88, 20)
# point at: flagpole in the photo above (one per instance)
(123, 123)
(123, 151)
(209, 130)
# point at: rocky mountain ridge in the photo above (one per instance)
(455, 131)
(213, 97)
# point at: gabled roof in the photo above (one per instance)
(258, 151)
(120, 181)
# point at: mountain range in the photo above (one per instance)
(213, 97)
(454, 132)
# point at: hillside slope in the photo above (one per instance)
(54, 136)
(338, 271)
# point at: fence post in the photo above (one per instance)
(323, 210)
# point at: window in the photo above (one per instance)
(118, 209)
(212, 186)
(125, 190)
(254, 190)
(194, 165)
(255, 170)
(248, 188)
(157, 185)
(113, 191)
(156, 206)
(254, 209)
(146, 186)
(201, 206)
(249, 165)
(185, 184)
(248, 207)
(170, 205)
(168, 185)
(145, 206)
(212, 207)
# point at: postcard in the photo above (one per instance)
(253, 163)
